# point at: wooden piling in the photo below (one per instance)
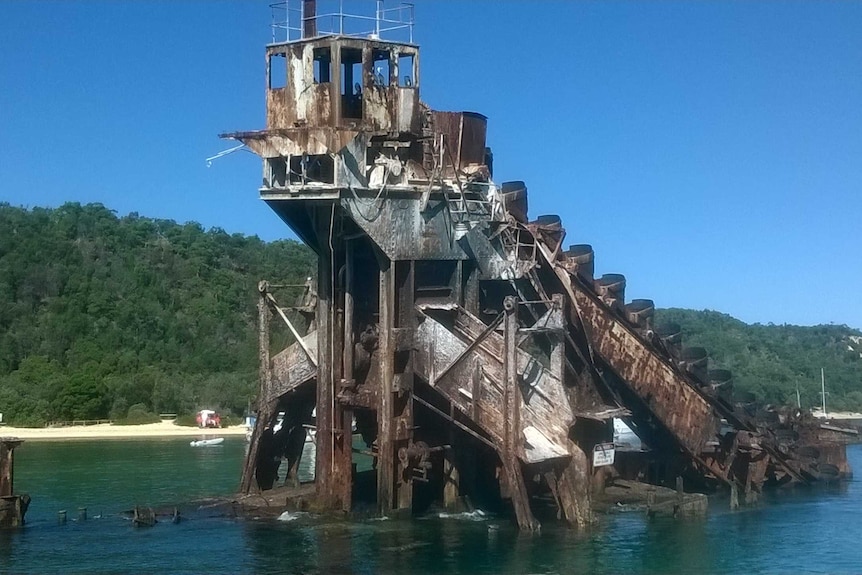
(12, 507)
(265, 413)
(7, 464)
(143, 517)
(574, 487)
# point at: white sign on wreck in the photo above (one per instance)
(603, 454)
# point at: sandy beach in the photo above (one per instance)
(836, 414)
(108, 431)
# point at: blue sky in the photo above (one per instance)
(710, 151)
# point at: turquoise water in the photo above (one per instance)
(803, 531)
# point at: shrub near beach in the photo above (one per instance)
(138, 415)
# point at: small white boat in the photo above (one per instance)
(207, 442)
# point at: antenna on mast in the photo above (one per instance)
(823, 391)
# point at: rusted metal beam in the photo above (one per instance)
(404, 320)
(385, 431)
(588, 359)
(457, 423)
(342, 416)
(333, 477)
(472, 346)
(347, 354)
(677, 405)
(512, 421)
(451, 468)
(311, 357)
(346, 375)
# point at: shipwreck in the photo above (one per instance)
(474, 352)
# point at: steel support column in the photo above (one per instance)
(512, 421)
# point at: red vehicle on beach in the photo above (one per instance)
(207, 418)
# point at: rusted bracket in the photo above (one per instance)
(550, 322)
(436, 174)
(741, 424)
(588, 360)
(473, 345)
(531, 275)
(566, 281)
(719, 473)
(457, 423)
(778, 456)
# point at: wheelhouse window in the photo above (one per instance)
(312, 168)
(381, 67)
(351, 83)
(322, 65)
(276, 172)
(277, 71)
(406, 75)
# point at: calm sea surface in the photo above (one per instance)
(803, 531)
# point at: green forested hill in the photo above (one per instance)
(769, 360)
(99, 312)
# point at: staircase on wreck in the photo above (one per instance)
(478, 359)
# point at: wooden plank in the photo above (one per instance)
(547, 407)
(574, 488)
(290, 368)
(539, 448)
(265, 414)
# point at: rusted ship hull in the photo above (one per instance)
(481, 362)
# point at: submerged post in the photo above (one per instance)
(7, 464)
(12, 507)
